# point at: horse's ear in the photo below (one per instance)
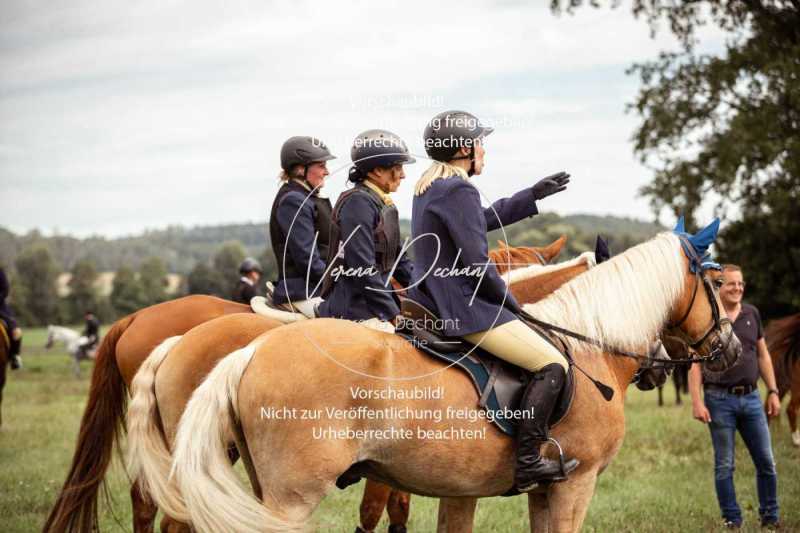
(705, 237)
(552, 250)
(601, 251)
(502, 244)
(680, 227)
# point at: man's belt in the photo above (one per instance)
(738, 390)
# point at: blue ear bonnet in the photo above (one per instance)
(696, 246)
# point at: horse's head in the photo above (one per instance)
(525, 255)
(698, 318)
(654, 373)
(50, 338)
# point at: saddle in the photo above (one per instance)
(499, 384)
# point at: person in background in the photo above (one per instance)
(91, 333)
(731, 403)
(13, 330)
(251, 272)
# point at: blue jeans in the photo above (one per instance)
(746, 414)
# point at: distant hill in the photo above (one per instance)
(182, 248)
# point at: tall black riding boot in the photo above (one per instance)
(540, 396)
(14, 358)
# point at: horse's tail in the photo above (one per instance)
(149, 459)
(101, 425)
(215, 498)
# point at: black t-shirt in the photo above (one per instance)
(745, 372)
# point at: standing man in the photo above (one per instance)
(245, 290)
(731, 402)
(14, 333)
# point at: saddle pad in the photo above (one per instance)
(499, 392)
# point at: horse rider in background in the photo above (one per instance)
(13, 330)
(474, 302)
(90, 335)
(251, 272)
(299, 224)
(366, 231)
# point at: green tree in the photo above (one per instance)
(204, 280)
(226, 264)
(82, 294)
(37, 275)
(728, 123)
(127, 294)
(153, 280)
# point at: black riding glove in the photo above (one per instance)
(550, 185)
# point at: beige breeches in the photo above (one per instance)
(519, 345)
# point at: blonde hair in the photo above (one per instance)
(437, 171)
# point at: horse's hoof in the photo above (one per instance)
(796, 438)
(360, 529)
(397, 528)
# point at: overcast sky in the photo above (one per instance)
(121, 116)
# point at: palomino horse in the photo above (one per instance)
(126, 345)
(72, 342)
(161, 389)
(783, 338)
(311, 404)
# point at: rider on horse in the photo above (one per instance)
(366, 224)
(299, 224)
(91, 333)
(251, 272)
(464, 289)
(14, 332)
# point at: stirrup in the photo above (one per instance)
(564, 467)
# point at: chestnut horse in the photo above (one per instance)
(783, 338)
(126, 345)
(313, 368)
(165, 381)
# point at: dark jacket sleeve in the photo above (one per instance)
(4, 287)
(359, 216)
(468, 232)
(300, 245)
(404, 270)
(510, 210)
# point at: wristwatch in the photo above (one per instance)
(773, 391)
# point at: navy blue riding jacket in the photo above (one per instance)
(300, 248)
(358, 294)
(457, 281)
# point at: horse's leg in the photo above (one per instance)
(661, 395)
(373, 502)
(538, 512)
(569, 501)
(456, 515)
(144, 511)
(398, 508)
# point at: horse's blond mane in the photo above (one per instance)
(623, 302)
(532, 271)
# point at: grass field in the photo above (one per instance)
(662, 479)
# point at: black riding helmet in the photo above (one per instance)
(302, 150)
(448, 132)
(249, 265)
(377, 148)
